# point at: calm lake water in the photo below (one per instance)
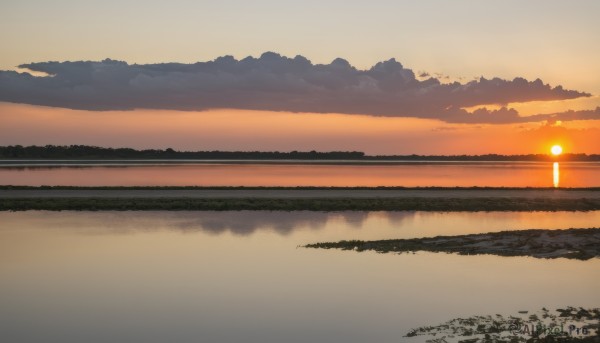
(239, 276)
(505, 174)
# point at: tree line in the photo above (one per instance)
(94, 152)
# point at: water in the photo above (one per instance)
(496, 174)
(239, 276)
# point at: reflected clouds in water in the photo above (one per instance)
(241, 223)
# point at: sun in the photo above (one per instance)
(556, 150)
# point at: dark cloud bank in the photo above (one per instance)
(276, 83)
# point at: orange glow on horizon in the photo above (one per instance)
(284, 131)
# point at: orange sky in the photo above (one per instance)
(256, 130)
(451, 41)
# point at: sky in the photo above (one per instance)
(384, 77)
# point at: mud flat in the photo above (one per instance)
(580, 244)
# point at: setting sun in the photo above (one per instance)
(556, 150)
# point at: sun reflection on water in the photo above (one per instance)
(556, 175)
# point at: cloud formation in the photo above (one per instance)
(274, 83)
(508, 115)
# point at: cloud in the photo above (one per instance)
(508, 115)
(273, 83)
(567, 116)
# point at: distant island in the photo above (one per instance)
(82, 152)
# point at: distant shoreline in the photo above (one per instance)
(84, 152)
(83, 163)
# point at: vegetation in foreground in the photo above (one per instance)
(314, 204)
(580, 244)
(561, 325)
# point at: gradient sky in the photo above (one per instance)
(460, 40)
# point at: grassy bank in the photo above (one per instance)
(325, 204)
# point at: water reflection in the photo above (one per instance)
(75, 277)
(239, 223)
(356, 224)
(556, 175)
(495, 174)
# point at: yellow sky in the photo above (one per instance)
(549, 39)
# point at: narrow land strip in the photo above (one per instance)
(291, 199)
(294, 193)
(299, 204)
